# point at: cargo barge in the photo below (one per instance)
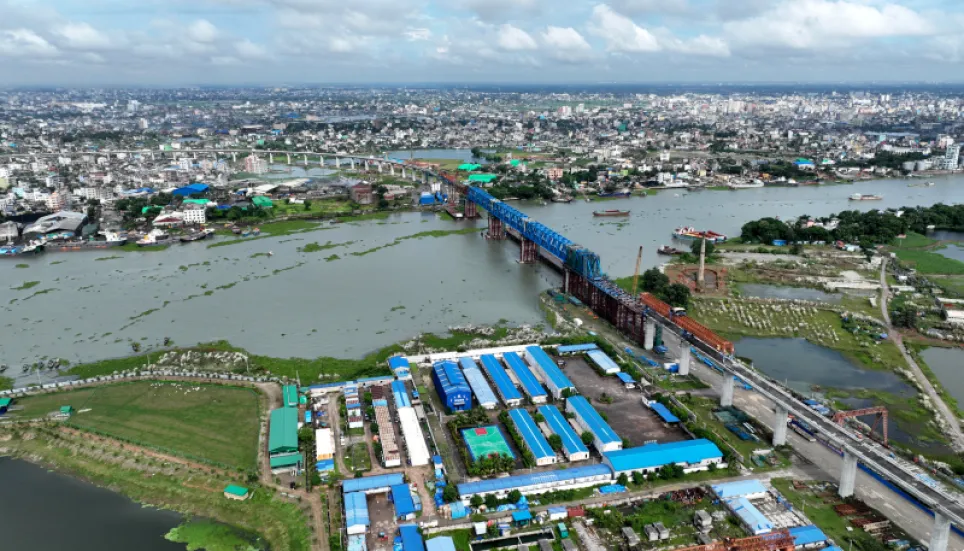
(669, 251)
(610, 213)
(196, 236)
(692, 234)
(861, 197)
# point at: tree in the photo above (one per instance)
(476, 501)
(587, 438)
(491, 502)
(654, 281)
(314, 478)
(638, 478)
(450, 494)
(622, 479)
(677, 294)
(305, 435)
(307, 204)
(698, 244)
(515, 496)
(555, 442)
(905, 316)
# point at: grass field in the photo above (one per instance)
(484, 445)
(213, 423)
(926, 262)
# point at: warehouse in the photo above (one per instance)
(284, 462)
(283, 431)
(533, 439)
(483, 392)
(572, 444)
(451, 386)
(538, 483)
(570, 349)
(289, 395)
(603, 362)
(604, 438)
(531, 386)
(377, 484)
(556, 381)
(411, 538)
(750, 489)
(400, 367)
(692, 455)
(404, 504)
(324, 444)
(503, 384)
(806, 537)
(386, 436)
(414, 441)
(752, 519)
(356, 513)
(440, 543)
(400, 393)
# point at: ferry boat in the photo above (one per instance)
(689, 234)
(154, 238)
(746, 185)
(862, 197)
(610, 213)
(669, 251)
(196, 236)
(620, 193)
(111, 239)
(562, 199)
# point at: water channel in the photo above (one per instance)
(948, 365)
(761, 290)
(77, 515)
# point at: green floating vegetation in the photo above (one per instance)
(274, 229)
(420, 235)
(397, 308)
(256, 255)
(227, 285)
(363, 217)
(41, 292)
(26, 285)
(315, 247)
(332, 258)
(6, 383)
(206, 535)
(113, 257)
(22, 266)
(144, 313)
(55, 262)
(134, 247)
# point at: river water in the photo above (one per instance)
(91, 305)
(761, 290)
(76, 515)
(948, 365)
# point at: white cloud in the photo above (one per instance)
(499, 10)
(292, 19)
(620, 32)
(82, 36)
(701, 45)
(202, 31)
(565, 44)
(225, 60)
(344, 45)
(249, 50)
(512, 38)
(817, 24)
(25, 43)
(653, 6)
(417, 34)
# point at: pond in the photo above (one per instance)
(47, 511)
(760, 290)
(948, 365)
(946, 235)
(954, 252)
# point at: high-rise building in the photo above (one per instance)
(952, 157)
(255, 164)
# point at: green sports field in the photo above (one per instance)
(211, 423)
(485, 441)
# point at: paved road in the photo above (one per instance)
(953, 422)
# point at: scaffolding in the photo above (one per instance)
(879, 413)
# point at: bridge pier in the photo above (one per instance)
(471, 209)
(684, 359)
(352, 161)
(848, 474)
(391, 169)
(306, 160)
(337, 162)
(321, 161)
(289, 158)
(780, 426)
(649, 337)
(941, 533)
(380, 168)
(726, 396)
(528, 250)
(403, 173)
(496, 229)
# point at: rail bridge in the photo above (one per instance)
(583, 278)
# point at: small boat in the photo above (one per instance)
(687, 233)
(862, 197)
(246, 233)
(669, 251)
(236, 230)
(562, 199)
(270, 253)
(610, 213)
(621, 193)
(196, 236)
(256, 231)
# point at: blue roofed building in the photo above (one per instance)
(411, 538)
(755, 522)
(372, 484)
(533, 439)
(664, 413)
(750, 489)
(531, 386)
(503, 384)
(400, 393)
(440, 543)
(805, 537)
(473, 375)
(605, 438)
(570, 349)
(451, 386)
(626, 379)
(400, 367)
(538, 483)
(572, 445)
(192, 189)
(356, 513)
(603, 362)
(404, 504)
(556, 381)
(692, 455)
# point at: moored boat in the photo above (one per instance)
(687, 233)
(669, 251)
(862, 197)
(610, 213)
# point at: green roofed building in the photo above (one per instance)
(469, 167)
(482, 178)
(283, 431)
(196, 201)
(5, 404)
(262, 201)
(515, 162)
(239, 493)
(289, 396)
(284, 461)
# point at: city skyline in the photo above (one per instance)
(226, 42)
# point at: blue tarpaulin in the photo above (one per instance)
(612, 489)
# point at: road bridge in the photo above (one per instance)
(583, 279)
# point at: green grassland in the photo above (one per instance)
(212, 423)
(926, 262)
(273, 229)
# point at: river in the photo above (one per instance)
(76, 515)
(948, 365)
(91, 305)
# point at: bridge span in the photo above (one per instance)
(583, 278)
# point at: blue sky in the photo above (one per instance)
(189, 42)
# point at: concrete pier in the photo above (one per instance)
(684, 359)
(726, 396)
(649, 335)
(941, 533)
(780, 426)
(848, 474)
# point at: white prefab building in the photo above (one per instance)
(538, 483)
(412, 434)
(324, 444)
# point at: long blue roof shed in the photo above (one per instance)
(402, 497)
(546, 479)
(375, 483)
(440, 543)
(741, 488)
(572, 444)
(576, 348)
(400, 367)
(529, 382)
(651, 457)
(534, 440)
(664, 413)
(451, 386)
(190, 190)
(605, 437)
(411, 538)
(752, 518)
(356, 513)
(625, 378)
(603, 362)
(483, 392)
(555, 379)
(503, 384)
(807, 535)
(400, 393)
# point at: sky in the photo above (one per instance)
(289, 42)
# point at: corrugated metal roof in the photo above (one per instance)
(289, 395)
(596, 424)
(481, 389)
(239, 491)
(397, 361)
(367, 483)
(657, 455)
(440, 543)
(283, 430)
(411, 538)
(750, 515)
(664, 412)
(524, 480)
(449, 375)
(402, 497)
(529, 382)
(501, 379)
(571, 348)
(534, 439)
(740, 488)
(549, 368)
(624, 377)
(284, 460)
(807, 535)
(603, 360)
(558, 425)
(356, 509)
(400, 393)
